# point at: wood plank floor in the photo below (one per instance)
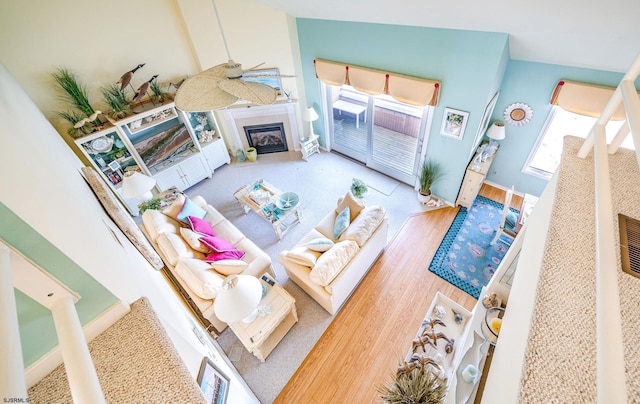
(371, 334)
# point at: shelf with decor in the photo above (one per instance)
(149, 118)
(112, 156)
(204, 128)
(176, 148)
(478, 340)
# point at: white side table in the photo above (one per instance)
(309, 145)
(264, 333)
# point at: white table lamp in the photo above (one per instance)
(310, 115)
(496, 131)
(137, 186)
(238, 299)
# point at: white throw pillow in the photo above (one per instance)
(331, 263)
(364, 225)
(320, 244)
(173, 247)
(229, 267)
(303, 256)
(200, 277)
(175, 207)
(355, 205)
(155, 223)
(193, 239)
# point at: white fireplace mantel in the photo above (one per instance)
(236, 118)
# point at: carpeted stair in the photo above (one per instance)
(136, 362)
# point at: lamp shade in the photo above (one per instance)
(137, 185)
(496, 131)
(309, 115)
(238, 298)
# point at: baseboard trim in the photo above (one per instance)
(52, 359)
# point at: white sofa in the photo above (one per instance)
(195, 279)
(330, 277)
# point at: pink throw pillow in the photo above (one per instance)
(227, 255)
(200, 226)
(217, 244)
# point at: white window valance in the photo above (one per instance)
(407, 89)
(584, 99)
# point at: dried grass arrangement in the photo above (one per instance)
(419, 386)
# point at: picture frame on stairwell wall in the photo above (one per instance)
(213, 383)
(454, 123)
(484, 123)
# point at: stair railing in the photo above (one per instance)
(610, 376)
(17, 271)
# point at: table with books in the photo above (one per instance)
(280, 209)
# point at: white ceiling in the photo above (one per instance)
(596, 34)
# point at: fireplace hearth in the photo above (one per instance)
(267, 138)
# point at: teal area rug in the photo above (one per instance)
(465, 258)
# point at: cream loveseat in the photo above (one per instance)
(183, 254)
(329, 268)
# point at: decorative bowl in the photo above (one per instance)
(102, 144)
(287, 201)
(492, 323)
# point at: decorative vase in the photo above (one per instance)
(240, 156)
(252, 154)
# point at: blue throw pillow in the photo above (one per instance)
(511, 219)
(320, 244)
(342, 222)
(190, 208)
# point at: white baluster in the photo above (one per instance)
(83, 380)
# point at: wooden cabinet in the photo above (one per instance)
(174, 147)
(216, 154)
(473, 179)
(184, 173)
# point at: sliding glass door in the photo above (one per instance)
(378, 131)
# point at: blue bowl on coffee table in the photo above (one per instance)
(287, 200)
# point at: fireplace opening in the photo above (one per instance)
(267, 138)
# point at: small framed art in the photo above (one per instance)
(454, 123)
(213, 383)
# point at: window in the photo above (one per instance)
(545, 155)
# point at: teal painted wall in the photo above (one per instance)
(533, 84)
(37, 332)
(469, 64)
(472, 67)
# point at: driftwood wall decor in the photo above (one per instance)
(121, 217)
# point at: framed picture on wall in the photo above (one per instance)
(213, 383)
(270, 77)
(454, 123)
(486, 116)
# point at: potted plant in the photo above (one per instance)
(358, 188)
(418, 386)
(430, 172)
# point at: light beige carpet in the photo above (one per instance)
(319, 183)
(560, 362)
(135, 362)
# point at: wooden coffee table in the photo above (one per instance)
(262, 335)
(261, 197)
